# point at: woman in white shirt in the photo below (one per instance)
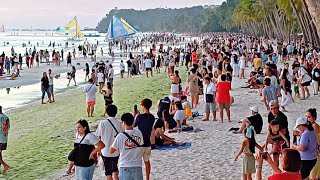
(101, 78)
(242, 65)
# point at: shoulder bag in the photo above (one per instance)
(72, 154)
(113, 127)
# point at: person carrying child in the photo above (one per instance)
(248, 149)
(276, 138)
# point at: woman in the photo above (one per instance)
(193, 87)
(175, 79)
(242, 64)
(286, 92)
(87, 72)
(69, 59)
(235, 66)
(311, 115)
(291, 163)
(172, 64)
(45, 87)
(107, 95)
(160, 138)
(85, 155)
(73, 76)
(306, 145)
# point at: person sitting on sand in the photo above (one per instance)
(186, 106)
(255, 120)
(179, 114)
(169, 121)
(160, 138)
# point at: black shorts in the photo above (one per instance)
(148, 69)
(306, 83)
(3, 146)
(110, 165)
(122, 71)
(159, 142)
(307, 166)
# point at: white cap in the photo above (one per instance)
(300, 121)
(254, 109)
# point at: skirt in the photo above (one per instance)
(248, 165)
(315, 173)
(174, 88)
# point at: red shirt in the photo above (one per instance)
(223, 89)
(194, 56)
(285, 176)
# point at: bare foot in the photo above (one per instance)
(5, 169)
(43, 103)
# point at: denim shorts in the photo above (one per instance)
(84, 173)
(132, 173)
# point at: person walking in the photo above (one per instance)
(90, 89)
(107, 130)
(5, 126)
(73, 76)
(45, 87)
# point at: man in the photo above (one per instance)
(5, 126)
(255, 120)
(223, 96)
(269, 92)
(276, 114)
(145, 123)
(130, 160)
(316, 79)
(90, 90)
(45, 87)
(107, 131)
(209, 97)
(148, 65)
(50, 76)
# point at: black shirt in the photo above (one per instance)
(257, 122)
(283, 121)
(45, 82)
(129, 63)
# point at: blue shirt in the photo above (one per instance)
(4, 123)
(145, 125)
(309, 140)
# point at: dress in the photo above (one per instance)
(193, 84)
(315, 173)
(242, 63)
(248, 163)
(174, 88)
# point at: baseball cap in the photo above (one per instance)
(300, 121)
(254, 109)
(273, 103)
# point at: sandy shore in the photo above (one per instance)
(213, 150)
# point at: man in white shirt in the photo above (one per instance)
(90, 90)
(50, 77)
(130, 160)
(122, 69)
(305, 80)
(209, 94)
(107, 131)
(148, 65)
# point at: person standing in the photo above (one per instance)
(148, 65)
(223, 96)
(286, 92)
(316, 79)
(129, 144)
(5, 126)
(145, 123)
(45, 87)
(90, 90)
(50, 77)
(209, 98)
(107, 131)
(122, 69)
(69, 57)
(111, 74)
(193, 87)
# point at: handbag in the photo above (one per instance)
(131, 139)
(72, 154)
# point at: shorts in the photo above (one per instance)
(3, 146)
(307, 166)
(159, 142)
(146, 153)
(129, 69)
(110, 165)
(148, 69)
(51, 88)
(101, 83)
(134, 173)
(122, 71)
(306, 83)
(224, 106)
(210, 107)
(91, 103)
(111, 80)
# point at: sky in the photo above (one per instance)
(50, 14)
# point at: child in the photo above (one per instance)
(248, 149)
(275, 137)
(295, 87)
(179, 115)
(186, 106)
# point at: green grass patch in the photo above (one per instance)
(41, 136)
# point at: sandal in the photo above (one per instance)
(205, 119)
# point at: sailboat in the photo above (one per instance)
(120, 28)
(74, 30)
(2, 28)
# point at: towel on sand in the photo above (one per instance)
(185, 146)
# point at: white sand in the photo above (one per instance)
(213, 150)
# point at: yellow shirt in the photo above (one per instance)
(257, 62)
